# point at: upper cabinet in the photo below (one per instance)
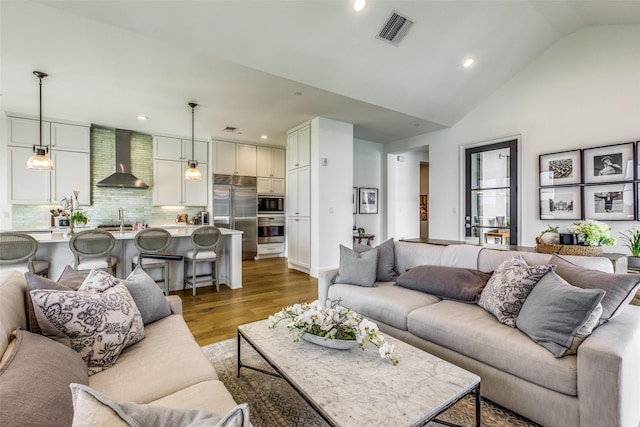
(299, 147)
(69, 146)
(168, 148)
(170, 161)
(234, 159)
(271, 162)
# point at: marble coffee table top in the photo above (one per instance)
(357, 388)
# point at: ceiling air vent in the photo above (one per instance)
(394, 30)
(229, 129)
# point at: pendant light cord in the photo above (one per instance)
(40, 75)
(193, 105)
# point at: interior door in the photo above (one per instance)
(491, 194)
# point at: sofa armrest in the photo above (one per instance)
(609, 373)
(325, 279)
(175, 304)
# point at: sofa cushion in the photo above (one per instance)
(167, 360)
(357, 268)
(35, 382)
(385, 303)
(386, 260)
(12, 303)
(475, 333)
(98, 325)
(462, 284)
(90, 405)
(559, 316)
(68, 281)
(620, 288)
(509, 286)
(209, 395)
(409, 255)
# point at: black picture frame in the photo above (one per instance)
(610, 202)
(354, 200)
(559, 203)
(561, 168)
(368, 200)
(609, 163)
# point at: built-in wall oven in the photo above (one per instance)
(271, 229)
(270, 205)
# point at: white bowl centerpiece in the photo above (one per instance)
(332, 325)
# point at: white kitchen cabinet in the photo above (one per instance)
(170, 162)
(235, 159)
(169, 148)
(27, 186)
(270, 250)
(24, 132)
(72, 172)
(271, 162)
(299, 147)
(70, 137)
(270, 186)
(299, 242)
(298, 198)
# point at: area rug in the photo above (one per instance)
(274, 403)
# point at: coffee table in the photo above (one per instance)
(355, 387)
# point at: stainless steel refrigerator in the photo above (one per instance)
(235, 206)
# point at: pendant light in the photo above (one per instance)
(193, 173)
(40, 161)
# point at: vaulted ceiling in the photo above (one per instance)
(265, 66)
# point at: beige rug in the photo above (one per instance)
(273, 403)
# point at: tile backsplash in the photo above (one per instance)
(105, 201)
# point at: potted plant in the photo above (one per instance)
(79, 217)
(631, 239)
(593, 233)
(329, 325)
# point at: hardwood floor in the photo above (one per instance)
(267, 286)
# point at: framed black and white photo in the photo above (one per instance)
(561, 202)
(611, 202)
(368, 200)
(611, 163)
(354, 200)
(561, 168)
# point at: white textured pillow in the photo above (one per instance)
(94, 409)
(98, 325)
(509, 286)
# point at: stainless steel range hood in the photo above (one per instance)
(122, 178)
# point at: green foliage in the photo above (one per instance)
(79, 217)
(593, 232)
(632, 240)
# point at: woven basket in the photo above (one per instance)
(547, 248)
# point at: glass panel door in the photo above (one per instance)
(491, 188)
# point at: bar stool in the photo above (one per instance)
(92, 249)
(205, 241)
(153, 241)
(17, 251)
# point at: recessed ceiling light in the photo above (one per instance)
(263, 136)
(141, 117)
(468, 62)
(358, 5)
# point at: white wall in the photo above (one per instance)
(367, 172)
(331, 189)
(582, 92)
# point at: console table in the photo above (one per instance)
(360, 237)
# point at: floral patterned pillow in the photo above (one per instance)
(98, 325)
(509, 286)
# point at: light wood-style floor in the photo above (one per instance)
(267, 286)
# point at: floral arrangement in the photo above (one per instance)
(335, 322)
(592, 232)
(632, 240)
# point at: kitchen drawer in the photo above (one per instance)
(270, 248)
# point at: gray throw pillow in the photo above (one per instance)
(386, 259)
(91, 408)
(509, 286)
(357, 268)
(34, 382)
(35, 282)
(559, 316)
(619, 288)
(460, 284)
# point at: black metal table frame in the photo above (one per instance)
(280, 374)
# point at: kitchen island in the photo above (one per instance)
(54, 247)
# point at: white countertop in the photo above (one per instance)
(57, 236)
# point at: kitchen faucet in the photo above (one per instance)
(121, 218)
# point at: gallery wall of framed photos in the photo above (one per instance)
(599, 183)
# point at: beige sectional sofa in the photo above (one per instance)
(166, 368)
(597, 387)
